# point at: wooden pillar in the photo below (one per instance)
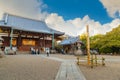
(52, 39)
(11, 37)
(88, 45)
(44, 40)
(39, 41)
(19, 40)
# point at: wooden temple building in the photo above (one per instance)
(25, 33)
(71, 45)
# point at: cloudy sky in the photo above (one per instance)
(69, 16)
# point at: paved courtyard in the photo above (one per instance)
(68, 69)
(54, 67)
(28, 67)
(38, 67)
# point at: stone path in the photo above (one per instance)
(68, 70)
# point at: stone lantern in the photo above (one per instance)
(78, 52)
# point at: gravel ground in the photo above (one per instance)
(62, 56)
(28, 67)
(33, 67)
(109, 72)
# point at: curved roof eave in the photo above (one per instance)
(26, 24)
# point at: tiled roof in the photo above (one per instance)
(26, 24)
(70, 41)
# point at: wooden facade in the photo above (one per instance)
(71, 45)
(25, 33)
(23, 40)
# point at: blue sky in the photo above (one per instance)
(71, 9)
(69, 16)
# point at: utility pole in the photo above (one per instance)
(88, 45)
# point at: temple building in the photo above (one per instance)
(25, 33)
(72, 45)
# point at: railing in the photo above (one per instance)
(94, 60)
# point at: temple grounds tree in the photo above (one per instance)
(108, 43)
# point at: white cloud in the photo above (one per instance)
(77, 26)
(57, 22)
(26, 8)
(112, 7)
(34, 9)
(1, 14)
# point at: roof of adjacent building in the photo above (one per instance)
(25, 24)
(70, 40)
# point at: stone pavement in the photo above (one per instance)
(68, 70)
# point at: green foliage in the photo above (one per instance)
(95, 41)
(108, 43)
(105, 50)
(113, 38)
(83, 38)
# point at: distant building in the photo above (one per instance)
(25, 33)
(71, 45)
